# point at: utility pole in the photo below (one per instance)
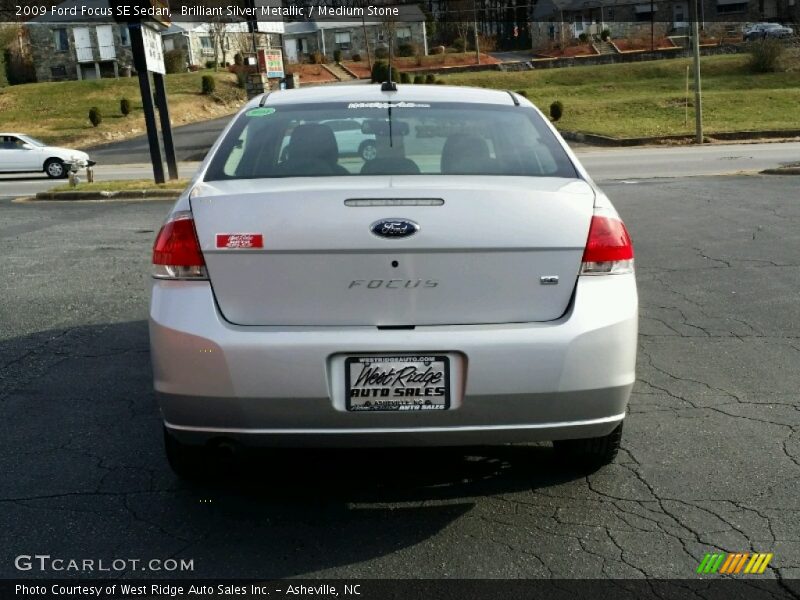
(698, 100)
(252, 24)
(366, 41)
(475, 25)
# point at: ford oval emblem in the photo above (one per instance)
(394, 228)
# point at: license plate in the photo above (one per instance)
(397, 383)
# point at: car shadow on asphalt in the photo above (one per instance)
(390, 474)
(103, 372)
(85, 394)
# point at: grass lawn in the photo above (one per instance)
(122, 185)
(57, 112)
(647, 98)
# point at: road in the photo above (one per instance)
(711, 449)
(191, 141)
(628, 164)
(191, 144)
(19, 185)
(685, 161)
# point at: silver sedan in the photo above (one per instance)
(467, 284)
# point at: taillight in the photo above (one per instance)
(609, 250)
(176, 252)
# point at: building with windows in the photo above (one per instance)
(91, 49)
(199, 40)
(506, 21)
(303, 39)
(562, 21)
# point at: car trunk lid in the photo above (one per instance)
(488, 250)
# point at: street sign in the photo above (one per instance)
(271, 63)
(148, 58)
(153, 49)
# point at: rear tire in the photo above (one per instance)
(590, 452)
(185, 460)
(55, 168)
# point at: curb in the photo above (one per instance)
(450, 69)
(782, 171)
(603, 140)
(122, 195)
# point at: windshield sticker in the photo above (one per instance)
(387, 105)
(261, 112)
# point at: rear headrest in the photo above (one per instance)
(464, 153)
(313, 141)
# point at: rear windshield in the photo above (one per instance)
(380, 138)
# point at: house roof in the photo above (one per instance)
(548, 8)
(173, 29)
(300, 27)
(203, 27)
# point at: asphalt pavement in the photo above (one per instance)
(711, 448)
(191, 144)
(29, 184)
(191, 141)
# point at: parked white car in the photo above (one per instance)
(21, 153)
(469, 284)
(350, 139)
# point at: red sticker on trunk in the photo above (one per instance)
(240, 240)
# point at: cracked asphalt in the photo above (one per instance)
(711, 449)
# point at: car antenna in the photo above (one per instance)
(389, 85)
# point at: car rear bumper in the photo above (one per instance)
(522, 382)
(488, 420)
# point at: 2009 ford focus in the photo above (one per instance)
(463, 282)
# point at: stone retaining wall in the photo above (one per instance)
(626, 57)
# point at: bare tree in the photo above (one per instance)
(362, 4)
(219, 39)
(241, 42)
(462, 16)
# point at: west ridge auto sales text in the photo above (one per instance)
(168, 590)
